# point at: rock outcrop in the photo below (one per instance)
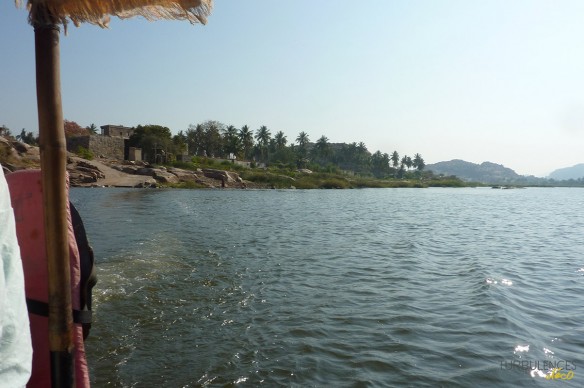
(101, 172)
(15, 155)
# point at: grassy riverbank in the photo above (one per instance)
(285, 178)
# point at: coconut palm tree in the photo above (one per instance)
(246, 140)
(419, 162)
(407, 161)
(263, 136)
(231, 143)
(322, 144)
(380, 164)
(92, 128)
(363, 157)
(280, 140)
(302, 139)
(394, 159)
(322, 149)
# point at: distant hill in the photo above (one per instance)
(566, 173)
(486, 172)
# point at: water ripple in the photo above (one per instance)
(439, 287)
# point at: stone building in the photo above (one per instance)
(116, 131)
(108, 147)
(111, 144)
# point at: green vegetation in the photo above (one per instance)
(283, 179)
(212, 139)
(27, 137)
(286, 177)
(84, 153)
(274, 162)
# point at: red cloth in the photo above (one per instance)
(27, 201)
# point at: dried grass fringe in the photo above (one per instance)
(51, 12)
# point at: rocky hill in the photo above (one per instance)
(574, 172)
(486, 172)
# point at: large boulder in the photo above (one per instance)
(20, 147)
(129, 169)
(165, 177)
(149, 183)
(183, 175)
(90, 172)
(19, 154)
(146, 171)
(77, 178)
(221, 175)
(88, 167)
(81, 172)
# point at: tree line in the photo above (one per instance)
(217, 140)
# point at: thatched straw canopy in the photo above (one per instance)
(44, 12)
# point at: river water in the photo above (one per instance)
(345, 288)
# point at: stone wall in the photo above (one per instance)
(73, 143)
(110, 147)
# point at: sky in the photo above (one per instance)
(498, 80)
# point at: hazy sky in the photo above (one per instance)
(499, 81)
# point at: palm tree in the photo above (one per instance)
(363, 157)
(407, 161)
(302, 139)
(419, 162)
(280, 140)
(263, 137)
(93, 129)
(322, 143)
(231, 143)
(246, 140)
(394, 159)
(380, 164)
(322, 149)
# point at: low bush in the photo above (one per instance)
(84, 153)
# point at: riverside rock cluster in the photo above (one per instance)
(101, 172)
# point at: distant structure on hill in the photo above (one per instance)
(112, 143)
(116, 131)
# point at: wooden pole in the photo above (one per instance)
(53, 165)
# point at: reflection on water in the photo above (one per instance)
(436, 287)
